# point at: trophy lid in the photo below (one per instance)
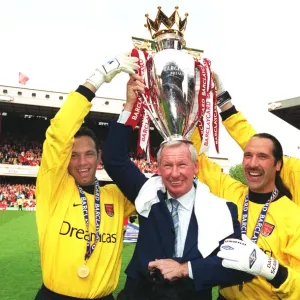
(163, 24)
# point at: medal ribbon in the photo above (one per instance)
(261, 217)
(89, 246)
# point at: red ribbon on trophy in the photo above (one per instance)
(205, 95)
(180, 92)
(139, 115)
(207, 98)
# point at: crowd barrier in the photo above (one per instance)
(32, 171)
(16, 208)
(131, 233)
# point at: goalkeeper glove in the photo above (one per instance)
(109, 70)
(248, 257)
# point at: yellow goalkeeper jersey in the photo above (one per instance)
(279, 238)
(241, 131)
(60, 221)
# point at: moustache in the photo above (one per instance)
(259, 170)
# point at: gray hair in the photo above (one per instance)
(169, 144)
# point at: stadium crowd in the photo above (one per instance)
(15, 150)
(10, 193)
(20, 149)
(20, 152)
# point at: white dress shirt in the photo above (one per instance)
(185, 208)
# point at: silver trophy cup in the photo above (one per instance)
(172, 76)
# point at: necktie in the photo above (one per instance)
(175, 218)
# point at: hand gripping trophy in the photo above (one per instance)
(180, 93)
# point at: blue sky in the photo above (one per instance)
(253, 45)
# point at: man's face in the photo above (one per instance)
(259, 165)
(84, 160)
(177, 169)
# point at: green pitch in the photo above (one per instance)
(20, 259)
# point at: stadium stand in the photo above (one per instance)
(23, 123)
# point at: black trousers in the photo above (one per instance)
(46, 294)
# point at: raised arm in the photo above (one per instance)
(241, 131)
(58, 144)
(210, 173)
(116, 160)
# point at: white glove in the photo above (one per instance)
(248, 257)
(109, 70)
(223, 96)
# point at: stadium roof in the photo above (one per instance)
(49, 112)
(15, 100)
(287, 110)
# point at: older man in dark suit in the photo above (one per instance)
(181, 223)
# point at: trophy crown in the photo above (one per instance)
(169, 23)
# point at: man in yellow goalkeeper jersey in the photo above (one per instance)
(80, 226)
(270, 222)
(241, 131)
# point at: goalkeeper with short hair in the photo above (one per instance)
(80, 225)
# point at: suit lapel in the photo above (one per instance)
(164, 225)
(192, 236)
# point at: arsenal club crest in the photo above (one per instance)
(109, 209)
(267, 229)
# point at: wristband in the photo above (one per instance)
(223, 98)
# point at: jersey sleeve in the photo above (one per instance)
(210, 173)
(290, 289)
(219, 183)
(239, 129)
(290, 174)
(129, 208)
(57, 149)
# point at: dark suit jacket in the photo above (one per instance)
(157, 235)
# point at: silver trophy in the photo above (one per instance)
(172, 77)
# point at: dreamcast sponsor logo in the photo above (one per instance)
(68, 230)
